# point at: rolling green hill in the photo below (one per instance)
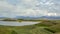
(45, 27)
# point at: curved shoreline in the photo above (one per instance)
(24, 23)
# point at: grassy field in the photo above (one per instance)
(45, 27)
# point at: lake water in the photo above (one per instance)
(8, 23)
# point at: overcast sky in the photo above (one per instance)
(36, 8)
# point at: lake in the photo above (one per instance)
(13, 23)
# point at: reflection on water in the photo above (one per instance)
(8, 23)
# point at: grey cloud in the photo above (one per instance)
(40, 7)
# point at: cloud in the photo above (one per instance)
(10, 10)
(5, 8)
(36, 8)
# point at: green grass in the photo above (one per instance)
(45, 27)
(23, 30)
(55, 28)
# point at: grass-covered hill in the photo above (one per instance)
(45, 27)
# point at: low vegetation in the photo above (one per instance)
(45, 27)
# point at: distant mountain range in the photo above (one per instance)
(29, 17)
(3, 17)
(51, 17)
(26, 17)
(42, 17)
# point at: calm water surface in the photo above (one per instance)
(8, 23)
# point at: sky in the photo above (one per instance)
(35, 8)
